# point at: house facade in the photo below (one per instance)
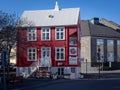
(99, 45)
(49, 42)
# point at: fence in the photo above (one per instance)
(100, 69)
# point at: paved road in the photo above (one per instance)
(102, 84)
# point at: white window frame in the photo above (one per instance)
(45, 39)
(59, 54)
(32, 52)
(46, 50)
(31, 31)
(56, 28)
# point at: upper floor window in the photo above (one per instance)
(32, 54)
(60, 33)
(31, 34)
(45, 34)
(45, 51)
(60, 53)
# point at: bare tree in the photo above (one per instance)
(8, 24)
(24, 22)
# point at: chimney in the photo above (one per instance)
(95, 20)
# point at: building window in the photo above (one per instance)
(32, 34)
(45, 52)
(60, 33)
(32, 54)
(72, 41)
(72, 69)
(110, 50)
(45, 34)
(60, 53)
(100, 49)
(118, 50)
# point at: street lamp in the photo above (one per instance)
(99, 58)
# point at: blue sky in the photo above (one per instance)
(109, 9)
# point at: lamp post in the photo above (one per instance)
(98, 58)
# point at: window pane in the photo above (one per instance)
(118, 50)
(57, 55)
(100, 49)
(62, 56)
(110, 50)
(62, 49)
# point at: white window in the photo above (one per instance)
(60, 33)
(45, 51)
(32, 34)
(60, 53)
(45, 34)
(32, 54)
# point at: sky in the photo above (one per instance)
(108, 9)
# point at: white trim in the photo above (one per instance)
(60, 32)
(45, 34)
(32, 53)
(30, 32)
(59, 51)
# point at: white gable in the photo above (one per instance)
(61, 17)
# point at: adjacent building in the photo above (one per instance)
(49, 42)
(110, 24)
(100, 44)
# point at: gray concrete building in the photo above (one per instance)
(100, 46)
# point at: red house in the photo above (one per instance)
(49, 42)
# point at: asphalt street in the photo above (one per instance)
(97, 84)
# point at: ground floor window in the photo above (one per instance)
(60, 53)
(73, 69)
(60, 71)
(110, 50)
(118, 50)
(32, 54)
(100, 49)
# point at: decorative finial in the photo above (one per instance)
(56, 6)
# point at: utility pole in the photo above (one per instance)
(86, 66)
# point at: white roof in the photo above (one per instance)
(53, 17)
